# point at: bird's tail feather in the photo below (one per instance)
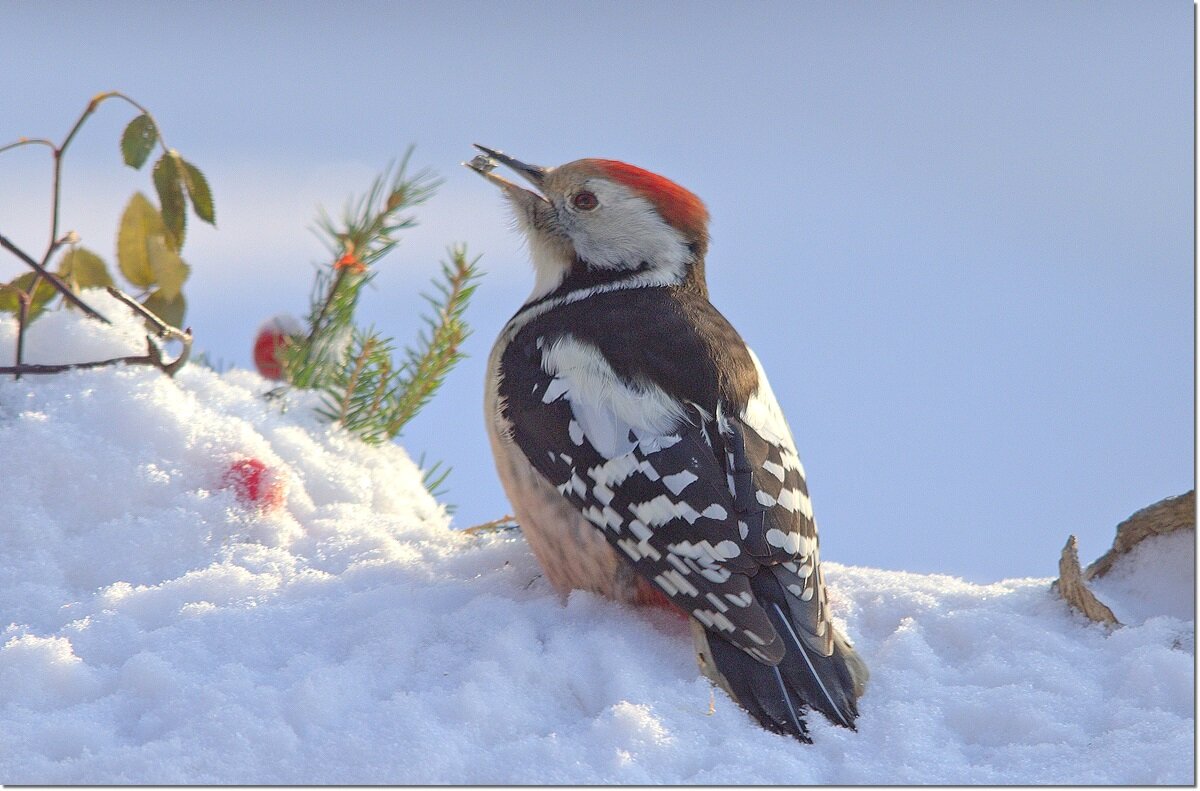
(778, 696)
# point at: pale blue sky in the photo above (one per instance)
(958, 234)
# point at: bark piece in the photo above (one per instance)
(1165, 516)
(1070, 586)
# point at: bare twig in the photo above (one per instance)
(23, 302)
(152, 357)
(320, 319)
(28, 141)
(506, 522)
(154, 353)
(53, 279)
(164, 331)
(61, 149)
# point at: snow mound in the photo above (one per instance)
(1156, 577)
(160, 630)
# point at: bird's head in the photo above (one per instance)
(600, 219)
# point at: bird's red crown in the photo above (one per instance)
(678, 206)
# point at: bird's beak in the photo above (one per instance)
(485, 163)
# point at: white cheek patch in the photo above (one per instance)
(625, 232)
(604, 408)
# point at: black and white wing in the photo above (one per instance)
(711, 508)
(775, 519)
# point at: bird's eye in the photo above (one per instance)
(585, 201)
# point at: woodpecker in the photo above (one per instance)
(641, 446)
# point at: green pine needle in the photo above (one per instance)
(354, 369)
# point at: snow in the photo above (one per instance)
(155, 629)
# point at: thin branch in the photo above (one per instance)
(91, 108)
(29, 141)
(153, 356)
(506, 522)
(54, 279)
(164, 330)
(23, 302)
(60, 150)
(318, 323)
(58, 155)
(352, 385)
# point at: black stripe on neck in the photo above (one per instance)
(581, 276)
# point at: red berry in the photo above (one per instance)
(255, 484)
(271, 338)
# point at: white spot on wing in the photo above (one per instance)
(652, 443)
(554, 391)
(789, 499)
(679, 565)
(640, 530)
(680, 582)
(679, 481)
(662, 510)
(726, 549)
(666, 584)
(716, 602)
(789, 542)
(773, 468)
(603, 493)
(630, 548)
(740, 599)
(605, 407)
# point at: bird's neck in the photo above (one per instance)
(577, 280)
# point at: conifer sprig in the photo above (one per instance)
(361, 385)
(365, 234)
(439, 346)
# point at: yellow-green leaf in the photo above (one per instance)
(168, 309)
(169, 269)
(84, 269)
(140, 223)
(168, 181)
(199, 192)
(138, 141)
(10, 300)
